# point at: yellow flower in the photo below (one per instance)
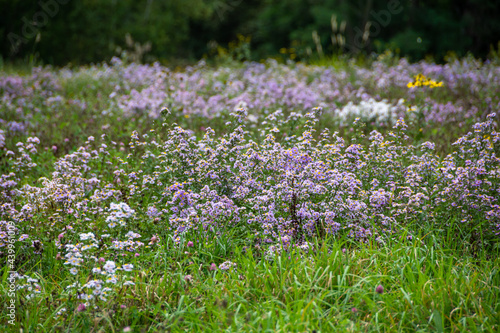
(420, 80)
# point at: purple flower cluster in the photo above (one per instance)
(376, 94)
(261, 88)
(285, 191)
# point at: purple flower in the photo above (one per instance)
(379, 289)
(190, 244)
(81, 307)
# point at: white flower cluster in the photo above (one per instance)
(73, 258)
(380, 112)
(118, 213)
(107, 277)
(129, 244)
(27, 283)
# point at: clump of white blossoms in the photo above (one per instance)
(118, 213)
(370, 111)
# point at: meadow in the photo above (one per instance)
(261, 197)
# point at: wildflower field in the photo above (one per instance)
(259, 197)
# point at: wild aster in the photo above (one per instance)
(112, 279)
(227, 265)
(128, 267)
(109, 266)
(90, 235)
(132, 235)
(23, 237)
(73, 261)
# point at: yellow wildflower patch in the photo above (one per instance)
(421, 81)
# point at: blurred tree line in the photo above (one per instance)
(70, 31)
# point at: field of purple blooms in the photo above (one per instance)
(255, 197)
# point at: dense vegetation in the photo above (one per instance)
(60, 31)
(257, 197)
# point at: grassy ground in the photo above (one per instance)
(426, 288)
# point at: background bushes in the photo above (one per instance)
(92, 31)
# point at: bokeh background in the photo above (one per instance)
(59, 32)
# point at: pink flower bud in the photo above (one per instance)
(379, 289)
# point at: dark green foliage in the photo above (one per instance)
(90, 31)
(62, 31)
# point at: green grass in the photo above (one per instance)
(427, 288)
